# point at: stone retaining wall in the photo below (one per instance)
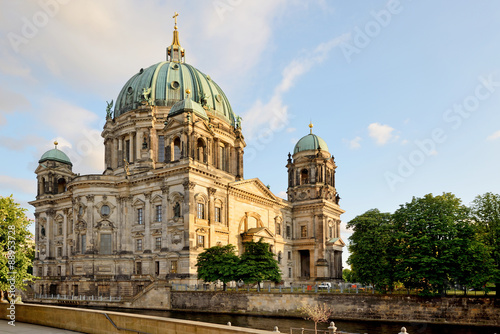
(450, 310)
(95, 322)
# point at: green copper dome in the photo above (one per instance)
(310, 142)
(165, 84)
(55, 155)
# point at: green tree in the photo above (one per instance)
(348, 275)
(16, 256)
(218, 263)
(485, 212)
(257, 263)
(371, 248)
(432, 238)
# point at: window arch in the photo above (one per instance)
(177, 148)
(304, 176)
(61, 185)
(201, 154)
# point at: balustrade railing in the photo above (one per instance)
(80, 297)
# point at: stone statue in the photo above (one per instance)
(177, 209)
(238, 121)
(130, 96)
(108, 109)
(146, 92)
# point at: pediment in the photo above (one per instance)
(336, 242)
(255, 187)
(260, 232)
(172, 122)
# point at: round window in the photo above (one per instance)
(175, 84)
(105, 210)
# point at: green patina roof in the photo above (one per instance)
(310, 142)
(168, 82)
(188, 105)
(55, 155)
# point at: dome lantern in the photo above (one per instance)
(175, 53)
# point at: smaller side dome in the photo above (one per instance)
(188, 105)
(310, 142)
(55, 155)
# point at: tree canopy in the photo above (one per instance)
(218, 263)
(429, 244)
(17, 255)
(257, 263)
(485, 211)
(370, 246)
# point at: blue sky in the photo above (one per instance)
(405, 93)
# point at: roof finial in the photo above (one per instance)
(311, 127)
(56, 143)
(175, 17)
(175, 52)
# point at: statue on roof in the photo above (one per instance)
(238, 121)
(108, 109)
(146, 92)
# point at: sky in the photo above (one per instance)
(405, 93)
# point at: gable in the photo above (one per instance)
(255, 187)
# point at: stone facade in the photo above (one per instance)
(173, 185)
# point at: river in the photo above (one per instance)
(284, 324)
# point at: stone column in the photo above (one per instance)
(189, 208)
(164, 217)
(49, 232)
(65, 232)
(147, 222)
(90, 222)
(211, 215)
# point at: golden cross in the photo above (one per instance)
(175, 17)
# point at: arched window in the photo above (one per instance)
(43, 190)
(200, 150)
(304, 176)
(177, 148)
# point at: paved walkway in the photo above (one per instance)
(24, 328)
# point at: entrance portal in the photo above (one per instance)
(305, 264)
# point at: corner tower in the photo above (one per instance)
(315, 201)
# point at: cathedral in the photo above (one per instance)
(173, 186)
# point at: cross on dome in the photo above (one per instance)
(175, 52)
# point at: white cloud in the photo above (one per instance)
(282, 194)
(494, 136)
(77, 131)
(381, 133)
(353, 143)
(273, 115)
(9, 184)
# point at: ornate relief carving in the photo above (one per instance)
(212, 191)
(164, 190)
(90, 198)
(176, 238)
(188, 184)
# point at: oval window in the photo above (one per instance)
(105, 210)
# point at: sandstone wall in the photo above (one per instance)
(459, 310)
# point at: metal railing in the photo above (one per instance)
(80, 297)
